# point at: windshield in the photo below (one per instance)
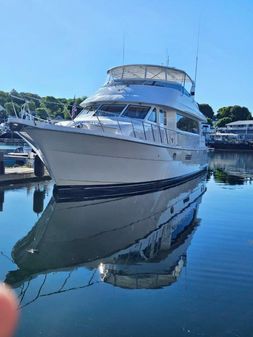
(87, 111)
(136, 111)
(110, 110)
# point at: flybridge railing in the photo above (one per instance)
(139, 129)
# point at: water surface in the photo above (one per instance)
(170, 263)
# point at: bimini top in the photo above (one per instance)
(148, 72)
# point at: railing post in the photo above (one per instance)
(100, 123)
(165, 130)
(133, 129)
(160, 133)
(119, 127)
(144, 130)
(153, 132)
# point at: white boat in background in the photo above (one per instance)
(142, 129)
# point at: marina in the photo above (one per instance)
(126, 169)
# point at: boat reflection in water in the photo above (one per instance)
(132, 242)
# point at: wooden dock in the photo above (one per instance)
(19, 175)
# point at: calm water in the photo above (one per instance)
(170, 263)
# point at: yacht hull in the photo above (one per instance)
(81, 158)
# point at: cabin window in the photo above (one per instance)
(153, 116)
(136, 111)
(187, 124)
(162, 117)
(88, 110)
(110, 110)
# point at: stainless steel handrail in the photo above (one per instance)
(165, 135)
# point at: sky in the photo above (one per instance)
(63, 48)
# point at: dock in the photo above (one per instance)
(19, 175)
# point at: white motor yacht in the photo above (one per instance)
(141, 130)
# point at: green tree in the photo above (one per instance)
(52, 105)
(32, 106)
(223, 121)
(4, 97)
(66, 112)
(3, 115)
(235, 113)
(240, 113)
(9, 108)
(41, 113)
(43, 107)
(206, 110)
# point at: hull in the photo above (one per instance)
(81, 158)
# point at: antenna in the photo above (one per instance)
(197, 59)
(123, 48)
(167, 58)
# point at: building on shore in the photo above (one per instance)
(244, 129)
(235, 136)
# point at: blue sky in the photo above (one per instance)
(63, 48)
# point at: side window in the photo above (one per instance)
(187, 124)
(162, 117)
(153, 116)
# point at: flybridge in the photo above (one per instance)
(149, 74)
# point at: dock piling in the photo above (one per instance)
(2, 168)
(39, 168)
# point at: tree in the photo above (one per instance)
(32, 106)
(240, 113)
(223, 121)
(235, 113)
(43, 107)
(66, 112)
(4, 97)
(31, 98)
(9, 108)
(52, 105)
(3, 115)
(206, 110)
(41, 113)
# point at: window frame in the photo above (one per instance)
(150, 113)
(165, 118)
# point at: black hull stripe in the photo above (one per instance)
(79, 193)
